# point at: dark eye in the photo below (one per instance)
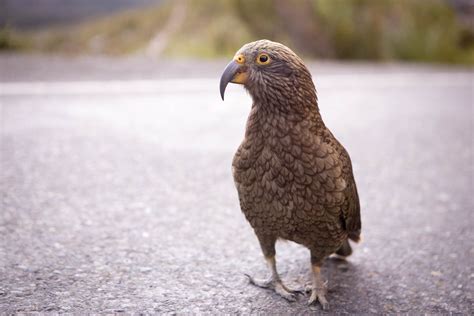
(263, 59)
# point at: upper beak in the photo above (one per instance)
(234, 72)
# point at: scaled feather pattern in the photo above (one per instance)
(294, 179)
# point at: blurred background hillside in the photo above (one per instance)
(412, 30)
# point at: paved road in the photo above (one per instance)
(117, 194)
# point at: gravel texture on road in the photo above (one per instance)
(122, 199)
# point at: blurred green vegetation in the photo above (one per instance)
(9, 40)
(119, 34)
(393, 29)
(411, 30)
(211, 29)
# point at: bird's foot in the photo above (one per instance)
(318, 293)
(275, 285)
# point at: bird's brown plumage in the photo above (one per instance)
(294, 179)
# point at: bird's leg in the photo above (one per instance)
(273, 282)
(318, 286)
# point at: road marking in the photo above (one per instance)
(178, 86)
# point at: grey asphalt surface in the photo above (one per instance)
(117, 194)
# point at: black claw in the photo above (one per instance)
(301, 292)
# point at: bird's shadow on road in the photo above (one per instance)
(350, 287)
(355, 285)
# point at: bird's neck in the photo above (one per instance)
(294, 95)
(300, 105)
(269, 120)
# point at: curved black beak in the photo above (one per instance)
(234, 73)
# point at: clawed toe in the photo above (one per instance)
(284, 292)
(267, 283)
(319, 294)
(275, 285)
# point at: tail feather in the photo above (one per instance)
(345, 250)
(355, 236)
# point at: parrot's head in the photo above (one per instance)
(269, 71)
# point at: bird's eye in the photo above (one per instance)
(263, 59)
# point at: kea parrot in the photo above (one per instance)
(293, 177)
